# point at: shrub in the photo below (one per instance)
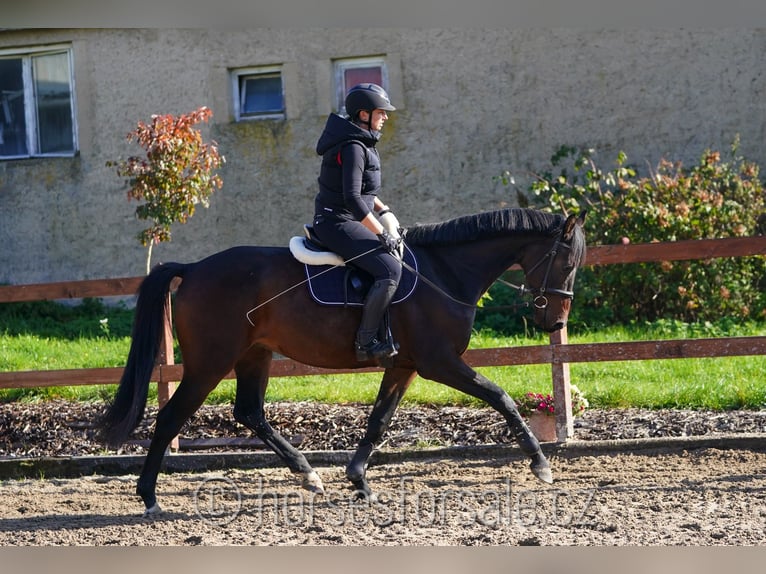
(715, 199)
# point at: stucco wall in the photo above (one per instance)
(474, 103)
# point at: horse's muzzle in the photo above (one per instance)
(556, 327)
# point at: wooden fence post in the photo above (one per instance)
(165, 388)
(562, 395)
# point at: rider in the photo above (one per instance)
(350, 218)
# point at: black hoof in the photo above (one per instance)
(362, 490)
(541, 469)
(148, 497)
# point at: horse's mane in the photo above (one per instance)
(485, 225)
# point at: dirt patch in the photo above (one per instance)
(702, 497)
(677, 495)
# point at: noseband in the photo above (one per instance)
(540, 301)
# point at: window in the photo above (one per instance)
(349, 73)
(37, 111)
(258, 93)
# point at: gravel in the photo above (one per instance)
(63, 428)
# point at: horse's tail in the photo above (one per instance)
(126, 410)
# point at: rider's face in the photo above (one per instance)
(379, 117)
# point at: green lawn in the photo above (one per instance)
(715, 383)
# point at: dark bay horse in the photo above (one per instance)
(222, 324)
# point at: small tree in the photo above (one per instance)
(176, 174)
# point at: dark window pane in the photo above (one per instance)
(261, 94)
(13, 126)
(54, 103)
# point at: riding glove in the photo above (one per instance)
(391, 224)
(389, 242)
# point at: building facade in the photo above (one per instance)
(472, 103)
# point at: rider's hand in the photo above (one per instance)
(389, 221)
(391, 224)
(389, 242)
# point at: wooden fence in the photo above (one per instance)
(559, 353)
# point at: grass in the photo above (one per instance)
(43, 336)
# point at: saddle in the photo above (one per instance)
(332, 282)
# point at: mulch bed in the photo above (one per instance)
(63, 428)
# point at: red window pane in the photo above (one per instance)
(354, 76)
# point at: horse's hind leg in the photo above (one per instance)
(460, 376)
(252, 379)
(392, 388)
(187, 398)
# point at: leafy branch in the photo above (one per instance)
(176, 174)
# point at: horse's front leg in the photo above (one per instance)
(456, 374)
(395, 383)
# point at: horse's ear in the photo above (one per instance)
(573, 221)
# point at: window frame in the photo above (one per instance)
(239, 75)
(342, 64)
(32, 132)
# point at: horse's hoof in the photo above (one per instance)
(152, 511)
(312, 482)
(362, 491)
(542, 470)
(363, 497)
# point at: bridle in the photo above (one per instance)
(540, 300)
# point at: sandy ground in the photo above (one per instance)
(677, 497)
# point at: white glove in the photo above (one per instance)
(389, 221)
(391, 224)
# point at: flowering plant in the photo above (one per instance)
(540, 403)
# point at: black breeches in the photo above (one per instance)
(357, 245)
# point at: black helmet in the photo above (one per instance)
(367, 97)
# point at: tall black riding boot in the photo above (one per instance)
(368, 344)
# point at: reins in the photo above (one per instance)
(433, 285)
(540, 301)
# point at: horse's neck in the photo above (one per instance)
(473, 267)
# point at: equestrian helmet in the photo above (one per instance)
(367, 97)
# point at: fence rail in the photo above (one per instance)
(559, 353)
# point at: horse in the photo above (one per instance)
(234, 309)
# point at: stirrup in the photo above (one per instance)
(376, 349)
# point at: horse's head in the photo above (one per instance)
(550, 269)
